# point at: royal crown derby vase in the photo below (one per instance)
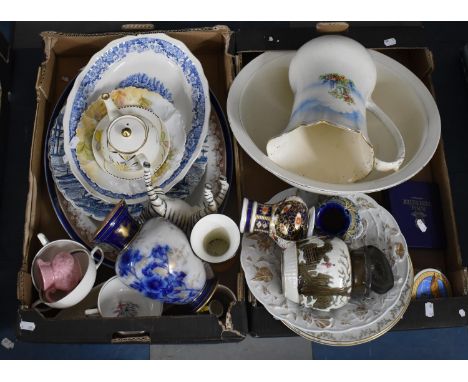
(285, 222)
(153, 62)
(326, 139)
(157, 260)
(317, 273)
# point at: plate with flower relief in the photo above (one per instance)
(361, 319)
(80, 213)
(155, 62)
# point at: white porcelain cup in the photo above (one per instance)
(118, 300)
(88, 266)
(215, 238)
(332, 78)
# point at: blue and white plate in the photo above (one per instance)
(79, 212)
(155, 62)
(76, 194)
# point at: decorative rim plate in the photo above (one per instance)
(120, 64)
(278, 62)
(73, 205)
(348, 338)
(360, 320)
(87, 153)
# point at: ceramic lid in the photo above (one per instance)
(127, 134)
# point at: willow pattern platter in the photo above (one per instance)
(360, 320)
(155, 62)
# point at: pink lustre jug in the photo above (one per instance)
(62, 273)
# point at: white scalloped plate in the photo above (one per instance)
(360, 320)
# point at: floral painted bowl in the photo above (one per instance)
(155, 62)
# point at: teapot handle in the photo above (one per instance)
(39, 302)
(101, 255)
(112, 109)
(379, 164)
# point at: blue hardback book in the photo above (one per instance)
(417, 208)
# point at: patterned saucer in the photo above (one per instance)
(358, 321)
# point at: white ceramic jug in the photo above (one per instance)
(332, 78)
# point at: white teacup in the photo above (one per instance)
(332, 78)
(118, 300)
(215, 238)
(88, 266)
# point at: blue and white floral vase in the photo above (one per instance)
(157, 260)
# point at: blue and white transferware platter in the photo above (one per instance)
(80, 213)
(158, 63)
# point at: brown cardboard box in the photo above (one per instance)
(256, 183)
(65, 55)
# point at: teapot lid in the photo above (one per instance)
(127, 134)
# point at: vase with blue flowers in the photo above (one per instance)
(157, 260)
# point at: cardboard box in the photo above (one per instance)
(256, 183)
(65, 55)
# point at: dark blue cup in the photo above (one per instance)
(332, 218)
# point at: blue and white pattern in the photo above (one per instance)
(159, 263)
(118, 53)
(143, 81)
(155, 280)
(68, 185)
(76, 194)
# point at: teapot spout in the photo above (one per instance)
(112, 109)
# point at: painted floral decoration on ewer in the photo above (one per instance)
(341, 87)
